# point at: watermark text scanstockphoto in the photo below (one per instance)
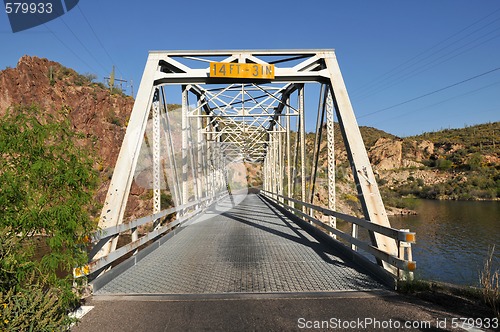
(370, 323)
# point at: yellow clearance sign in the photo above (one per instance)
(241, 70)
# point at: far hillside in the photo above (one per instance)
(464, 164)
(455, 164)
(483, 138)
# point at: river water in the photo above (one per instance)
(453, 238)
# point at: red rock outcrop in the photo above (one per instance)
(91, 108)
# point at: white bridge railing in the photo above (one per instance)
(184, 213)
(402, 262)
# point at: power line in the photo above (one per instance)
(430, 93)
(401, 68)
(69, 49)
(433, 64)
(444, 101)
(427, 50)
(83, 45)
(98, 39)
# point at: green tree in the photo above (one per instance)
(475, 161)
(444, 164)
(46, 185)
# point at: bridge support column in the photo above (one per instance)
(201, 166)
(156, 155)
(295, 159)
(192, 145)
(185, 144)
(275, 164)
(281, 159)
(330, 128)
(288, 151)
(368, 192)
(302, 146)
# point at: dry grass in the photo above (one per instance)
(490, 281)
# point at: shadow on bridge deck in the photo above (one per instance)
(246, 268)
(249, 248)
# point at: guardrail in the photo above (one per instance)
(404, 238)
(102, 236)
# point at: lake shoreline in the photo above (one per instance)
(396, 211)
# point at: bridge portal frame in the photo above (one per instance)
(274, 148)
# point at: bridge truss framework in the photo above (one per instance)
(223, 121)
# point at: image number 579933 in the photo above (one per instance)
(26, 14)
(29, 8)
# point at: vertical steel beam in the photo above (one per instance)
(156, 152)
(277, 163)
(272, 178)
(280, 163)
(288, 151)
(296, 159)
(201, 151)
(216, 154)
(268, 169)
(223, 171)
(267, 172)
(330, 128)
(193, 162)
(211, 177)
(366, 184)
(262, 174)
(271, 161)
(272, 167)
(302, 146)
(210, 160)
(218, 167)
(264, 178)
(185, 144)
(277, 178)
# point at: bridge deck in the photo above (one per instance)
(251, 248)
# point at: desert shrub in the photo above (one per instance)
(33, 307)
(443, 164)
(475, 162)
(46, 184)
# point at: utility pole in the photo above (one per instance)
(111, 82)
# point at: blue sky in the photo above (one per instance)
(390, 51)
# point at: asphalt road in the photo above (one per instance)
(347, 311)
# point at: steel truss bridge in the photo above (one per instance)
(239, 108)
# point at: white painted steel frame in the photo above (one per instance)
(254, 132)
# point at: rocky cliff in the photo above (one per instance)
(91, 108)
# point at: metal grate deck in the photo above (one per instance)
(251, 248)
